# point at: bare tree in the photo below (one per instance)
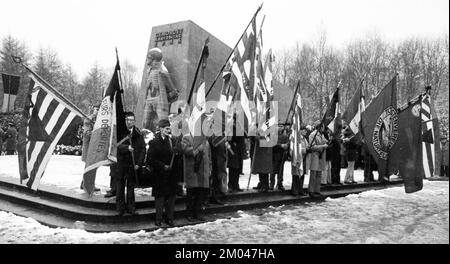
(130, 85)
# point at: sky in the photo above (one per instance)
(84, 32)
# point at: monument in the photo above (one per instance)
(181, 44)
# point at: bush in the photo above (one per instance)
(67, 150)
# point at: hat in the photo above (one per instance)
(163, 123)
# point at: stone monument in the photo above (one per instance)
(181, 44)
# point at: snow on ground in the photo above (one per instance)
(382, 216)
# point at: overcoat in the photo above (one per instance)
(316, 158)
(197, 164)
(160, 154)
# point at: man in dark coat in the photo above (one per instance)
(160, 157)
(130, 157)
(369, 164)
(279, 155)
(11, 139)
(235, 158)
(334, 156)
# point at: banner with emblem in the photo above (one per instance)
(406, 154)
(380, 126)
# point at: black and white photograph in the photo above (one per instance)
(224, 123)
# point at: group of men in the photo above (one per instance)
(200, 163)
(8, 139)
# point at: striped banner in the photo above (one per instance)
(242, 63)
(49, 118)
(430, 145)
(296, 147)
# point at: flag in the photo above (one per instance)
(199, 103)
(48, 115)
(352, 114)
(331, 119)
(263, 88)
(406, 154)
(242, 61)
(296, 126)
(10, 89)
(380, 126)
(109, 129)
(430, 137)
(223, 114)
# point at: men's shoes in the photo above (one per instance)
(263, 190)
(314, 195)
(121, 213)
(215, 201)
(281, 188)
(190, 219)
(170, 223)
(109, 194)
(132, 212)
(200, 218)
(158, 223)
(239, 190)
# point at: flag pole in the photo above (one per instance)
(232, 51)
(122, 92)
(131, 133)
(292, 102)
(205, 52)
(18, 60)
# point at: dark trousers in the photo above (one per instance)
(165, 202)
(279, 180)
(445, 170)
(195, 199)
(335, 175)
(125, 178)
(264, 180)
(113, 173)
(368, 168)
(233, 179)
(297, 184)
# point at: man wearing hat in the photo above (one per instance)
(316, 159)
(350, 153)
(11, 139)
(160, 157)
(160, 93)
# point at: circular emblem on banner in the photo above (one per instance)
(385, 133)
(416, 110)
